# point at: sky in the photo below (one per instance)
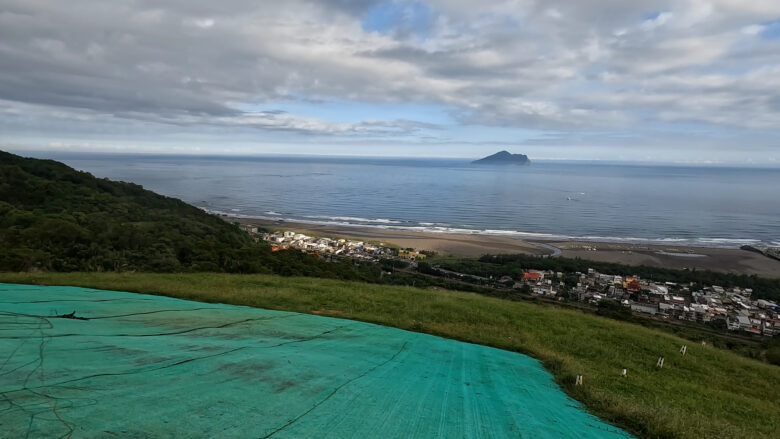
(686, 81)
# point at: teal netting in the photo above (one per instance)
(147, 366)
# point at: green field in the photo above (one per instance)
(709, 393)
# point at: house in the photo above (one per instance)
(659, 289)
(647, 308)
(545, 291)
(771, 327)
(765, 304)
(532, 276)
(248, 228)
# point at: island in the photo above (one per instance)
(503, 158)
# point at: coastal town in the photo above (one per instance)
(727, 308)
(323, 246)
(732, 309)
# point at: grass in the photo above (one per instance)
(709, 393)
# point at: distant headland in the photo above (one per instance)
(503, 158)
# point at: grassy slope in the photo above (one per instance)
(709, 393)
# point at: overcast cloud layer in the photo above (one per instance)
(688, 80)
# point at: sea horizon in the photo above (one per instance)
(547, 201)
(55, 154)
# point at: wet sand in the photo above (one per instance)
(466, 245)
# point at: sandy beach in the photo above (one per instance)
(443, 243)
(475, 245)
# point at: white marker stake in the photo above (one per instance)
(660, 363)
(684, 349)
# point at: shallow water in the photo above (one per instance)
(147, 366)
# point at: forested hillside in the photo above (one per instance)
(53, 217)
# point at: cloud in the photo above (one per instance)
(283, 121)
(557, 65)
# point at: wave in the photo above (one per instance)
(729, 240)
(355, 219)
(433, 227)
(229, 214)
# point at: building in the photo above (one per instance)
(647, 308)
(532, 276)
(248, 228)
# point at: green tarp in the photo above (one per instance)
(148, 366)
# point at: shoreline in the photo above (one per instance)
(380, 226)
(472, 245)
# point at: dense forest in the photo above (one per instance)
(55, 218)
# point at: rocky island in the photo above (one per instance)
(503, 158)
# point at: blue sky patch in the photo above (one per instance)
(407, 16)
(771, 31)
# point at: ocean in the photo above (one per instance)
(702, 206)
